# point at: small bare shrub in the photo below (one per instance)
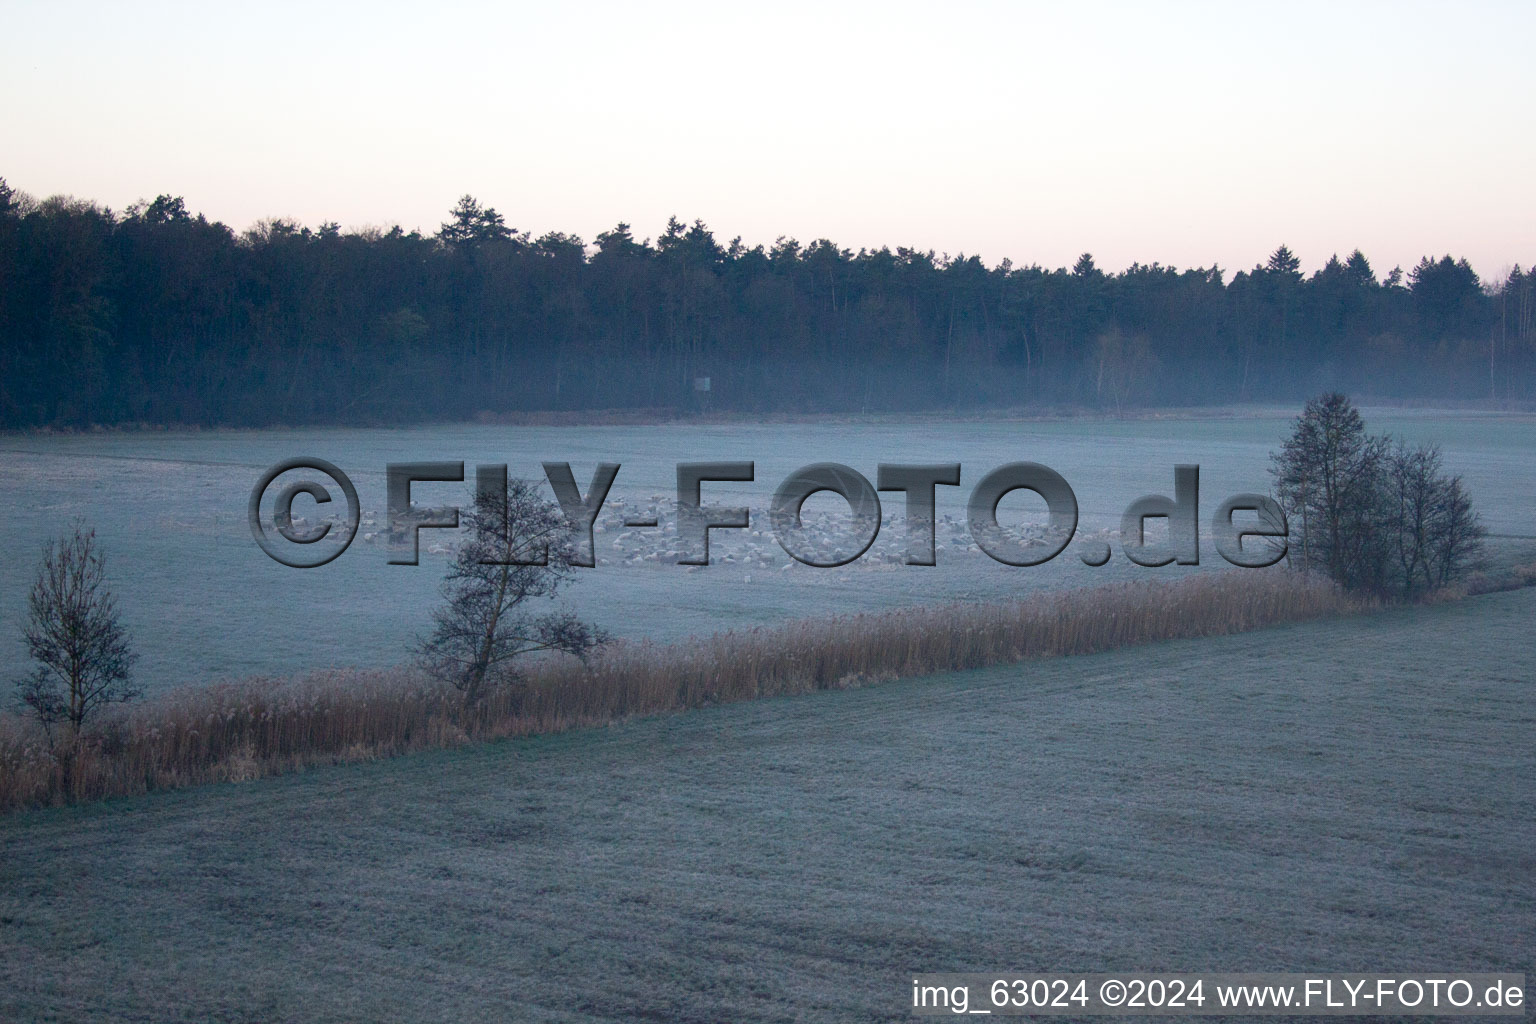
(517, 550)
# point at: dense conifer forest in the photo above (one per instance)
(157, 315)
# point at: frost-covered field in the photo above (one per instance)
(204, 602)
(1354, 795)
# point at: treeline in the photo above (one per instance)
(156, 315)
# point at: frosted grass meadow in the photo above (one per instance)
(204, 603)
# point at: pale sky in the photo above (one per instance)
(1180, 133)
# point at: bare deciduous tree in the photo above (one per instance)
(1413, 487)
(517, 549)
(1456, 540)
(1328, 474)
(74, 635)
(1374, 516)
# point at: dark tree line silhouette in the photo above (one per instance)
(156, 315)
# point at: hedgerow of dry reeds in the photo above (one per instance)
(239, 731)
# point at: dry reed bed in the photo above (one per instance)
(239, 731)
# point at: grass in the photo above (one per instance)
(243, 731)
(1346, 794)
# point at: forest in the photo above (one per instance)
(157, 316)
